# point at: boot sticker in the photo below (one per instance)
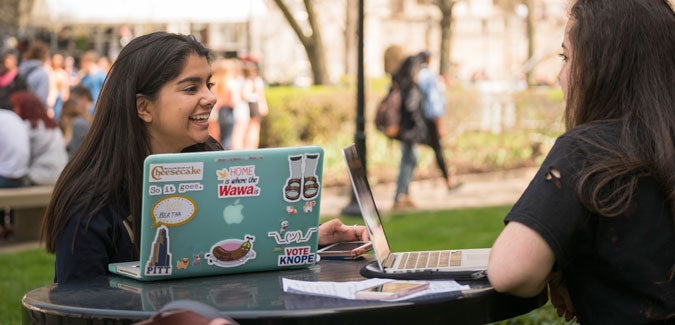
(303, 182)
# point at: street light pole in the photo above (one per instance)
(360, 136)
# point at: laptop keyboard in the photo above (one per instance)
(429, 260)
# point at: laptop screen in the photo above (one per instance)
(364, 196)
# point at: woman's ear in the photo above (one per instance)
(143, 108)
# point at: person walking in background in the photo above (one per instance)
(241, 110)
(253, 93)
(227, 93)
(59, 88)
(14, 159)
(71, 70)
(47, 151)
(597, 222)
(34, 70)
(413, 128)
(434, 110)
(91, 75)
(10, 79)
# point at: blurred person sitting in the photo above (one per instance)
(14, 159)
(47, 151)
(34, 70)
(75, 123)
(10, 79)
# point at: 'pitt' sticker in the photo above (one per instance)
(173, 210)
(300, 255)
(238, 181)
(160, 257)
(176, 172)
(231, 252)
(292, 236)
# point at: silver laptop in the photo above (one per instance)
(455, 264)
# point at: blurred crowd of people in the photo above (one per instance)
(241, 104)
(48, 100)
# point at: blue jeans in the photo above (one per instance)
(406, 168)
(226, 123)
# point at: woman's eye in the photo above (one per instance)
(210, 85)
(563, 57)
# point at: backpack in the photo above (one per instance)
(388, 115)
(413, 125)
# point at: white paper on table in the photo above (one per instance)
(346, 290)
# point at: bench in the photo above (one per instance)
(29, 204)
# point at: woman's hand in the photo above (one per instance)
(335, 231)
(560, 297)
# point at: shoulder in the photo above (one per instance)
(211, 144)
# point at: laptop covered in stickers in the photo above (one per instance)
(223, 212)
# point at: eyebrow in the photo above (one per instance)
(563, 45)
(189, 79)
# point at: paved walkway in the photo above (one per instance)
(485, 189)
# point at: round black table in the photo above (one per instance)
(258, 298)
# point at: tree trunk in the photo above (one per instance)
(350, 37)
(530, 39)
(313, 43)
(446, 36)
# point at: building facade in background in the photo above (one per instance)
(488, 42)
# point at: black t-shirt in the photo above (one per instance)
(618, 269)
(100, 241)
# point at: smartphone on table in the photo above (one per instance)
(392, 290)
(345, 250)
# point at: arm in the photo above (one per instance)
(520, 261)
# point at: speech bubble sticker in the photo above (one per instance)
(173, 210)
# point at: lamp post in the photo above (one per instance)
(352, 209)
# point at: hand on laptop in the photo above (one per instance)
(335, 231)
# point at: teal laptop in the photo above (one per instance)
(223, 212)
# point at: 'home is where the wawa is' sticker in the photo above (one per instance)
(238, 181)
(159, 263)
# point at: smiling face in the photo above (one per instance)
(178, 118)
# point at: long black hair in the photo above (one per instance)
(107, 169)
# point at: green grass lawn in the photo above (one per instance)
(463, 228)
